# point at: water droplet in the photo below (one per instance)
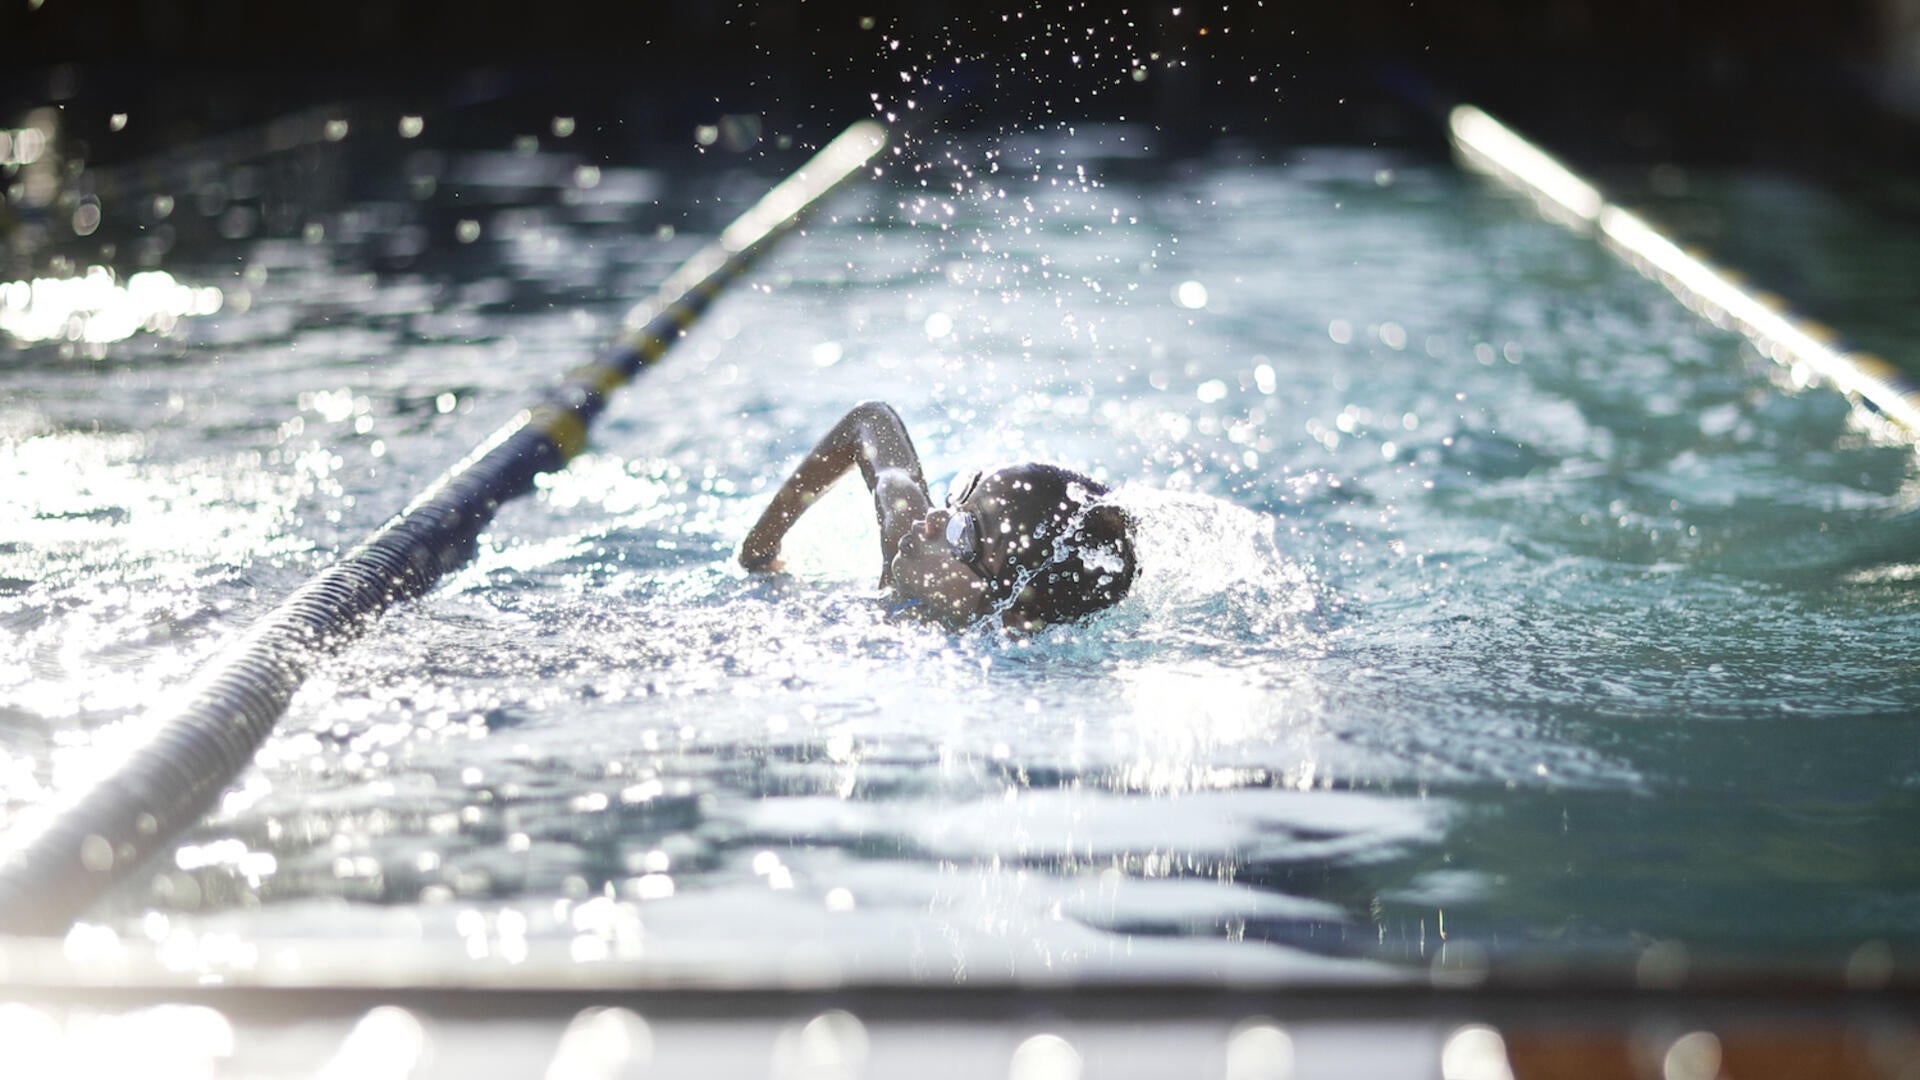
(1044, 1057)
(1259, 1051)
(1475, 1052)
(86, 217)
(1693, 1056)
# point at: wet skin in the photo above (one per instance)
(953, 576)
(948, 567)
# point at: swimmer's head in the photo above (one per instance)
(1047, 547)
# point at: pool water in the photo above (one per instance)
(1493, 608)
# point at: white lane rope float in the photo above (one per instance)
(1808, 350)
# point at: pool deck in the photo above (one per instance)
(434, 1027)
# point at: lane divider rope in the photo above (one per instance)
(1807, 349)
(64, 854)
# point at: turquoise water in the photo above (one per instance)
(1492, 608)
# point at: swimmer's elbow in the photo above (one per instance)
(875, 416)
(757, 561)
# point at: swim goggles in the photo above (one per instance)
(963, 537)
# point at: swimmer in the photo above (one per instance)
(1032, 543)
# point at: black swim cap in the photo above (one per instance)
(1068, 554)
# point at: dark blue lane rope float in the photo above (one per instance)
(61, 857)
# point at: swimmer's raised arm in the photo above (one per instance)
(1034, 544)
(871, 437)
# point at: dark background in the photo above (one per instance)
(1812, 85)
(1824, 94)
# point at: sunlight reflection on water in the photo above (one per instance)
(95, 308)
(1419, 545)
